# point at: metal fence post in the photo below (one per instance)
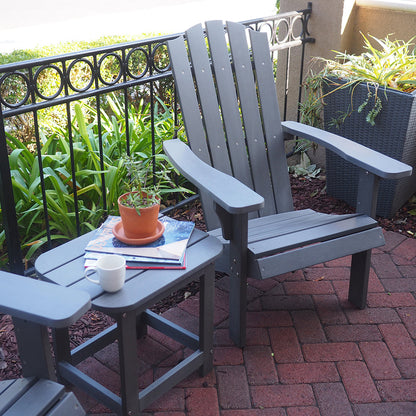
(8, 206)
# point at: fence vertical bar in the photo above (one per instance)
(152, 111)
(73, 173)
(286, 84)
(305, 39)
(175, 113)
(71, 150)
(152, 124)
(40, 163)
(42, 179)
(100, 135)
(126, 101)
(8, 206)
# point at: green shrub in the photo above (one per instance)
(67, 47)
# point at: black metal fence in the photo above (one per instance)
(133, 70)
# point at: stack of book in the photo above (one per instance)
(167, 252)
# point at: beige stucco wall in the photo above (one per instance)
(331, 24)
(336, 25)
(380, 23)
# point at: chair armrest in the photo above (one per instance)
(226, 191)
(40, 302)
(361, 156)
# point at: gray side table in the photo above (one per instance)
(64, 266)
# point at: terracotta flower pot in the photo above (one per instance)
(135, 225)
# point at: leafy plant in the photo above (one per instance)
(26, 181)
(393, 65)
(142, 192)
(305, 167)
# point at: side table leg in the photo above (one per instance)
(62, 348)
(141, 327)
(206, 318)
(127, 347)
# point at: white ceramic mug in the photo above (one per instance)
(111, 271)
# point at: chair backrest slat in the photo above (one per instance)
(208, 99)
(229, 103)
(192, 117)
(188, 99)
(251, 115)
(271, 121)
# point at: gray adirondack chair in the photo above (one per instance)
(236, 158)
(36, 305)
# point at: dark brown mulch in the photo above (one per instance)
(310, 193)
(307, 193)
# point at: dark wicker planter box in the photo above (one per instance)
(394, 134)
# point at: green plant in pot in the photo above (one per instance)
(370, 99)
(139, 206)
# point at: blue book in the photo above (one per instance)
(169, 248)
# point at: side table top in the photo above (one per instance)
(64, 265)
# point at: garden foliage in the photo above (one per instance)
(54, 157)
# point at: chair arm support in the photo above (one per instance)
(41, 302)
(361, 156)
(226, 191)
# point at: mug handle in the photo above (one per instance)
(86, 275)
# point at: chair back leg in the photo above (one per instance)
(360, 271)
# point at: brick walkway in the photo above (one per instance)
(308, 353)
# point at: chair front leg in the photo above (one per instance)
(34, 349)
(367, 193)
(235, 229)
(368, 185)
(62, 349)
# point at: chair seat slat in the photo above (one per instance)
(11, 390)
(295, 235)
(281, 232)
(40, 398)
(270, 221)
(316, 253)
(295, 225)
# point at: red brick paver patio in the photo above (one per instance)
(309, 352)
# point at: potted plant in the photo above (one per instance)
(368, 98)
(139, 206)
